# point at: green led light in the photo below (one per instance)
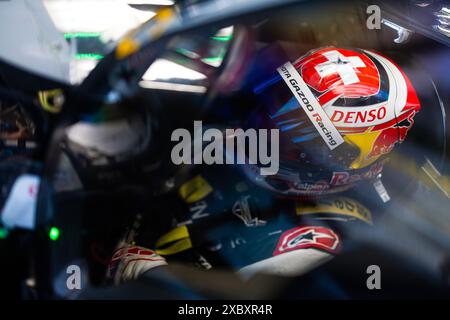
(71, 35)
(222, 38)
(216, 59)
(3, 233)
(53, 233)
(92, 56)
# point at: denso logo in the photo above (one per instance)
(359, 116)
(366, 117)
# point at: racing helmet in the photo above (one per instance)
(339, 112)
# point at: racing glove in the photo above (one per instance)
(128, 263)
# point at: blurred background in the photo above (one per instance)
(92, 90)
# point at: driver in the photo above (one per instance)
(339, 112)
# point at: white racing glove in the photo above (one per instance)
(128, 263)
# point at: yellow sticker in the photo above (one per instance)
(337, 205)
(164, 14)
(163, 19)
(173, 235)
(175, 241)
(51, 100)
(179, 246)
(126, 47)
(195, 189)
